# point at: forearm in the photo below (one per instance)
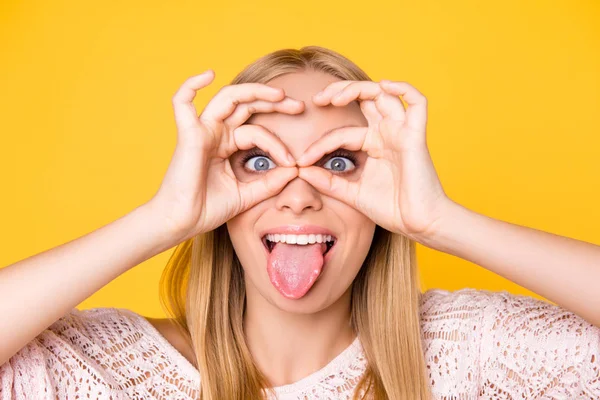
(37, 291)
(563, 270)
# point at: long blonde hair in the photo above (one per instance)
(202, 288)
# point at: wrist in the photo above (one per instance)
(445, 229)
(157, 228)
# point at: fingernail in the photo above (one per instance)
(291, 159)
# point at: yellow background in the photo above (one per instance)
(87, 129)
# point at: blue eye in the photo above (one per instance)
(338, 164)
(260, 163)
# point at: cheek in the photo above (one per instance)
(364, 230)
(239, 228)
(242, 231)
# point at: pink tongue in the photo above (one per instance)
(293, 269)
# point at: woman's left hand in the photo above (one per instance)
(398, 188)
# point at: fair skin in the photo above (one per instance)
(289, 338)
(397, 189)
(417, 208)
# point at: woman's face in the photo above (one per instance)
(296, 277)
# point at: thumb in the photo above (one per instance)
(252, 193)
(330, 184)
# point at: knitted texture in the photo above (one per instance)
(477, 345)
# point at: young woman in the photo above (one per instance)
(295, 200)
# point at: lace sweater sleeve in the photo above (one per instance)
(105, 353)
(495, 345)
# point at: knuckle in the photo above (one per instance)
(187, 81)
(175, 97)
(228, 98)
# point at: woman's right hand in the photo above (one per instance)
(200, 191)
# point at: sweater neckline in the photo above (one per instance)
(338, 364)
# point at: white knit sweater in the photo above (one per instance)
(477, 344)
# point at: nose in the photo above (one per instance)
(297, 196)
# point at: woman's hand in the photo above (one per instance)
(398, 188)
(200, 191)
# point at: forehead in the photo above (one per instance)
(298, 131)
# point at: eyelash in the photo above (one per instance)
(254, 152)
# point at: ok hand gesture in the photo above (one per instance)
(398, 188)
(200, 191)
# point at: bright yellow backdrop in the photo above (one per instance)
(87, 129)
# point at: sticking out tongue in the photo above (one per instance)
(294, 268)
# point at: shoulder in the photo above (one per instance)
(103, 326)
(515, 342)
(435, 299)
(504, 311)
(110, 352)
(501, 312)
(168, 328)
(94, 321)
(443, 309)
(111, 335)
(120, 324)
(468, 303)
(452, 333)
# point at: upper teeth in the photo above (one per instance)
(298, 239)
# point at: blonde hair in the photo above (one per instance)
(202, 288)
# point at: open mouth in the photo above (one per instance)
(270, 240)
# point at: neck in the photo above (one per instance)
(288, 346)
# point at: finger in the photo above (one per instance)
(186, 115)
(245, 110)
(416, 101)
(248, 136)
(371, 113)
(331, 184)
(266, 186)
(350, 138)
(226, 100)
(323, 97)
(360, 90)
(390, 106)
